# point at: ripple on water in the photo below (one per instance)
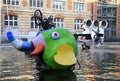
(101, 64)
(14, 65)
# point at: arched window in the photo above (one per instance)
(11, 20)
(33, 26)
(59, 22)
(77, 23)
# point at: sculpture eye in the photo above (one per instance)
(55, 35)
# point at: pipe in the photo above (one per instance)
(88, 23)
(103, 24)
(95, 23)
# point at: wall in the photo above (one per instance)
(0, 22)
(118, 17)
(24, 13)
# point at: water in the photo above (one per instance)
(100, 64)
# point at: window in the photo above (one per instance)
(79, 6)
(36, 3)
(59, 22)
(11, 2)
(100, 1)
(107, 10)
(77, 23)
(58, 4)
(33, 25)
(11, 20)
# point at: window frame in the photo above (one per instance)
(59, 22)
(11, 20)
(58, 5)
(36, 3)
(32, 24)
(77, 23)
(79, 6)
(12, 2)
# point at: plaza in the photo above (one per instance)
(96, 64)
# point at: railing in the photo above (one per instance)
(112, 38)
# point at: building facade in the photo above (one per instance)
(108, 10)
(0, 22)
(18, 15)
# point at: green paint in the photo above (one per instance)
(66, 37)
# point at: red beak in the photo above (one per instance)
(38, 49)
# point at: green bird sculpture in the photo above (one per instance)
(57, 45)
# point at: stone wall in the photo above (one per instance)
(24, 13)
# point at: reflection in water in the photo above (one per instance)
(17, 66)
(14, 65)
(58, 75)
(101, 64)
(117, 67)
(88, 68)
(106, 63)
